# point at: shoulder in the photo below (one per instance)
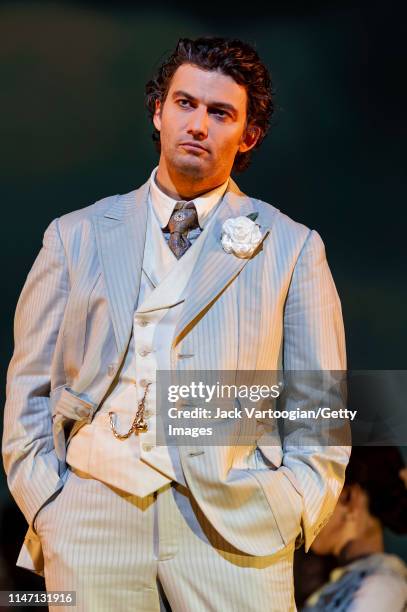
(385, 585)
(269, 215)
(279, 220)
(380, 592)
(81, 220)
(73, 233)
(291, 235)
(374, 583)
(87, 213)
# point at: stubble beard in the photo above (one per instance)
(188, 165)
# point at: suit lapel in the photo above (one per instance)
(120, 238)
(215, 269)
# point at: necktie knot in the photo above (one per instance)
(184, 217)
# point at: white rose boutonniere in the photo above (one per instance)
(241, 235)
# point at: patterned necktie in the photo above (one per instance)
(183, 219)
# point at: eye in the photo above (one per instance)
(183, 102)
(219, 113)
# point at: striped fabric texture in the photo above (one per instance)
(278, 309)
(111, 548)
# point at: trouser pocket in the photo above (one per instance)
(50, 502)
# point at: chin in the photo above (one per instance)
(189, 165)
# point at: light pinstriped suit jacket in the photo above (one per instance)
(72, 325)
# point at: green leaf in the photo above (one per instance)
(253, 216)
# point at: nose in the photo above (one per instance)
(198, 123)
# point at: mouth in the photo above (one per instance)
(193, 146)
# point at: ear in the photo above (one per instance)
(250, 138)
(358, 499)
(345, 497)
(157, 115)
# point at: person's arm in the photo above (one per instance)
(29, 458)
(314, 341)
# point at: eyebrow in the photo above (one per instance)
(224, 105)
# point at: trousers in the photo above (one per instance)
(120, 553)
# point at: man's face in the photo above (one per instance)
(202, 124)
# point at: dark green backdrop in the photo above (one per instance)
(74, 129)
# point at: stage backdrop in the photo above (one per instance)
(74, 129)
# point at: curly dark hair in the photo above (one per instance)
(232, 57)
(377, 471)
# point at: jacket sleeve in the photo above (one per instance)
(315, 451)
(29, 458)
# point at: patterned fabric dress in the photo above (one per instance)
(373, 583)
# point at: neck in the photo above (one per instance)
(185, 187)
(370, 542)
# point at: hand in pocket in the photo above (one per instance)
(46, 506)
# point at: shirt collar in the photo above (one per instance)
(164, 205)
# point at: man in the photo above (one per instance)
(151, 281)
